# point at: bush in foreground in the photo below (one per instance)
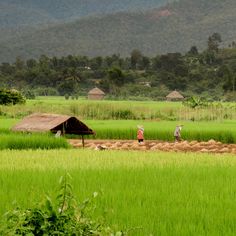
(65, 217)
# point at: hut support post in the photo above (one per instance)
(82, 140)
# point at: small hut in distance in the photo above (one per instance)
(174, 96)
(96, 94)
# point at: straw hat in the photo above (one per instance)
(140, 127)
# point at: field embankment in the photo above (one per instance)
(202, 147)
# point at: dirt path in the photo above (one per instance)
(185, 146)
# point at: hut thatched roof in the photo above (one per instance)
(175, 95)
(96, 91)
(42, 122)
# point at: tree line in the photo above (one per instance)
(210, 74)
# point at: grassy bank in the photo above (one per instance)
(163, 193)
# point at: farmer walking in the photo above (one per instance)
(140, 134)
(177, 133)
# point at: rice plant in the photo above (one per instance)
(152, 193)
(164, 130)
(31, 141)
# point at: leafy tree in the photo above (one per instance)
(67, 87)
(135, 58)
(193, 51)
(11, 97)
(195, 102)
(213, 42)
(116, 76)
(29, 94)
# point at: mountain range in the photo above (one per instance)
(30, 28)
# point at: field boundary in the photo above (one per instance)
(211, 146)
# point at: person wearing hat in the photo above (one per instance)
(140, 134)
(177, 133)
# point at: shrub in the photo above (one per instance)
(29, 94)
(67, 96)
(11, 97)
(65, 217)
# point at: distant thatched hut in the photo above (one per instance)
(174, 96)
(96, 94)
(42, 122)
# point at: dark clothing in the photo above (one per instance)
(177, 138)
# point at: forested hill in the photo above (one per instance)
(27, 12)
(174, 27)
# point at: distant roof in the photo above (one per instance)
(42, 122)
(175, 94)
(96, 91)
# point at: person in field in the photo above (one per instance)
(177, 133)
(58, 134)
(140, 134)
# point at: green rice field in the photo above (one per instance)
(224, 131)
(151, 193)
(163, 130)
(144, 193)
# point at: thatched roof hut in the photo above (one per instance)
(42, 122)
(96, 94)
(174, 96)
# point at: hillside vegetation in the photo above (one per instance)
(175, 27)
(21, 12)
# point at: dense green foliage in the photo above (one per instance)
(11, 97)
(175, 27)
(65, 216)
(210, 74)
(151, 193)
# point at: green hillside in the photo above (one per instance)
(175, 27)
(68, 9)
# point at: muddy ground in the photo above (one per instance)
(211, 146)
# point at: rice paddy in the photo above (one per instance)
(31, 141)
(146, 192)
(163, 130)
(153, 193)
(224, 131)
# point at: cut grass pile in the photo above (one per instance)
(163, 193)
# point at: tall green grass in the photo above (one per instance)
(162, 193)
(138, 110)
(31, 141)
